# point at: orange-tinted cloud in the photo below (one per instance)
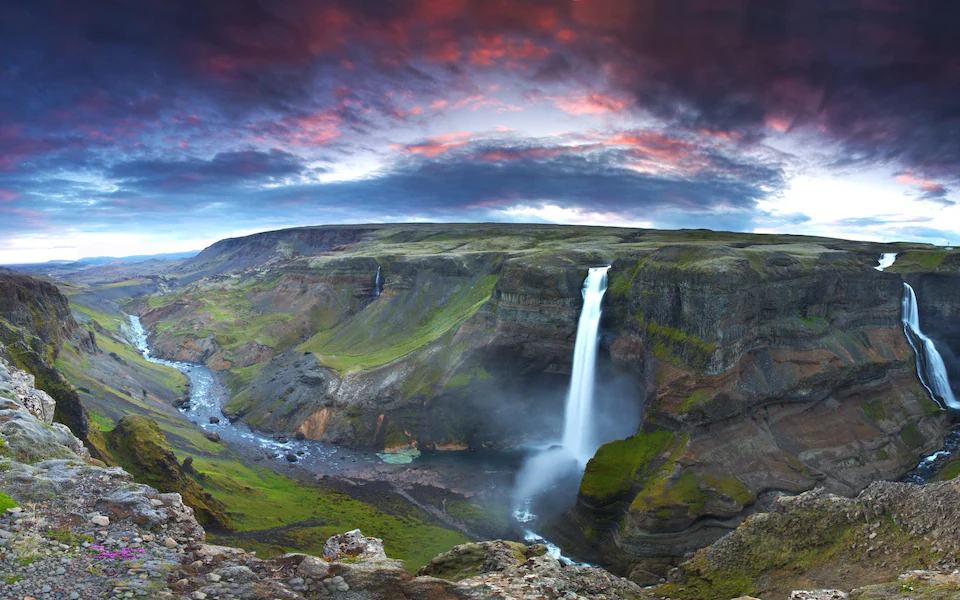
(589, 104)
(435, 145)
(927, 186)
(318, 129)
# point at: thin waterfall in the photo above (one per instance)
(886, 260)
(932, 370)
(578, 418)
(376, 283)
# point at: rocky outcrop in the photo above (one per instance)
(139, 446)
(35, 321)
(818, 540)
(26, 421)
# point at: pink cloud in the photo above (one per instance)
(435, 145)
(589, 104)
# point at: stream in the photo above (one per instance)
(471, 473)
(208, 394)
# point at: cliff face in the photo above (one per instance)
(35, 321)
(782, 378)
(761, 364)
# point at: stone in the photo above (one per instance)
(819, 595)
(313, 567)
(353, 545)
(238, 574)
(170, 543)
(213, 578)
(198, 596)
(100, 520)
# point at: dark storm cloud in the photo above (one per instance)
(154, 103)
(469, 181)
(878, 76)
(483, 175)
(223, 170)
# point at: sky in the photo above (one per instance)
(147, 126)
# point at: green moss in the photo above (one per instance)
(874, 410)
(911, 436)
(101, 422)
(929, 406)
(951, 470)
(688, 493)
(771, 555)
(677, 347)
(730, 487)
(65, 536)
(619, 285)
(395, 436)
(698, 398)
(6, 502)
(918, 261)
(384, 332)
(138, 444)
(813, 322)
(274, 514)
(108, 322)
(668, 493)
(615, 468)
(461, 380)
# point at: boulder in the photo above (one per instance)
(354, 546)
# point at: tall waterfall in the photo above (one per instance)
(932, 371)
(376, 282)
(578, 418)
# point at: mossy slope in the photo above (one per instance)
(139, 446)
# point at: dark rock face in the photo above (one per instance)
(35, 321)
(810, 540)
(792, 377)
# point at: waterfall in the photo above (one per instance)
(932, 371)
(549, 473)
(578, 417)
(376, 282)
(886, 260)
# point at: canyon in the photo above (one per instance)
(732, 369)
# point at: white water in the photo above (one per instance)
(377, 282)
(578, 438)
(886, 261)
(546, 471)
(934, 376)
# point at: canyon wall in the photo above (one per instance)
(761, 364)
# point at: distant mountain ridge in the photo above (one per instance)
(102, 260)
